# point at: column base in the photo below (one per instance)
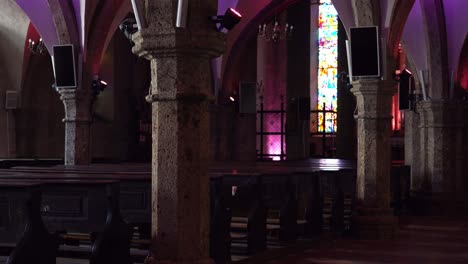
(152, 260)
(436, 204)
(375, 223)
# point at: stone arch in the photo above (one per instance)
(437, 55)
(106, 19)
(400, 14)
(40, 16)
(63, 15)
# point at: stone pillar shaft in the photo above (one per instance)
(374, 128)
(77, 126)
(374, 217)
(413, 146)
(180, 152)
(181, 90)
(441, 140)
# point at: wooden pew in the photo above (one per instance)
(72, 205)
(35, 245)
(8, 163)
(220, 222)
(247, 202)
(251, 191)
(280, 197)
(135, 197)
(113, 243)
(330, 198)
(314, 204)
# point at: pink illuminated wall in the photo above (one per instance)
(271, 71)
(462, 73)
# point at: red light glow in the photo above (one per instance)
(235, 12)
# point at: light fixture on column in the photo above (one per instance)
(230, 18)
(276, 32)
(37, 47)
(129, 27)
(98, 86)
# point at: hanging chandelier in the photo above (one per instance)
(37, 47)
(276, 32)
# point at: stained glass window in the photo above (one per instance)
(328, 65)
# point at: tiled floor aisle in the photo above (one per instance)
(420, 240)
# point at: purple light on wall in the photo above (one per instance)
(457, 27)
(271, 72)
(41, 16)
(223, 5)
(414, 38)
(272, 124)
(274, 145)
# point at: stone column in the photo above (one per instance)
(413, 135)
(77, 126)
(374, 216)
(440, 187)
(181, 90)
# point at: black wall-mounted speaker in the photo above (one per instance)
(365, 56)
(404, 89)
(247, 97)
(64, 66)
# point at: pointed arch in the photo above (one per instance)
(400, 13)
(105, 20)
(63, 14)
(41, 16)
(436, 39)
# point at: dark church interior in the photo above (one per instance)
(233, 131)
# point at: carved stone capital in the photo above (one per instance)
(186, 97)
(71, 94)
(150, 44)
(373, 98)
(442, 113)
(77, 105)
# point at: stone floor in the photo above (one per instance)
(420, 240)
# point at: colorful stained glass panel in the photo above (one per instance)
(328, 66)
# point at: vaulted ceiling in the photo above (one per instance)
(90, 24)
